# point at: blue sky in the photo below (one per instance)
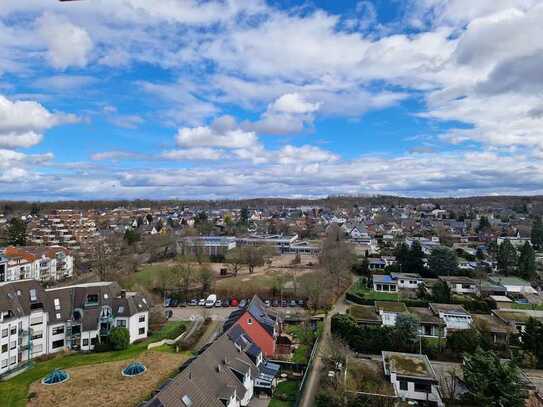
(243, 98)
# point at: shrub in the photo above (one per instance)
(119, 338)
(102, 347)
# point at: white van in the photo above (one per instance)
(211, 300)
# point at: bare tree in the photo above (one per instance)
(234, 258)
(337, 258)
(205, 277)
(104, 254)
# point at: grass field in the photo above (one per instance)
(103, 384)
(14, 392)
(375, 295)
(285, 394)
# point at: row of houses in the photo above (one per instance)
(440, 320)
(496, 285)
(43, 263)
(35, 322)
(232, 369)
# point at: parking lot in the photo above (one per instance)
(220, 314)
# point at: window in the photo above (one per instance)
(4, 363)
(57, 304)
(14, 330)
(250, 321)
(93, 341)
(106, 296)
(58, 330)
(142, 318)
(13, 345)
(58, 315)
(141, 331)
(37, 335)
(58, 344)
(5, 332)
(121, 309)
(13, 360)
(423, 388)
(85, 342)
(33, 296)
(403, 385)
(92, 299)
(4, 348)
(121, 323)
(37, 348)
(19, 293)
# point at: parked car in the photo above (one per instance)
(292, 303)
(182, 304)
(268, 303)
(167, 302)
(275, 303)
(301, 303)
(226, 303)
(243, 303)
(234, 302)
(202, 302)
(211, 300)
(173, 302)
(284, 303)
(218, 303)
(193, 302)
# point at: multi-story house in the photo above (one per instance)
(40, 263)
(35, 322)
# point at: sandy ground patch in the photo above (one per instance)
(103, 384)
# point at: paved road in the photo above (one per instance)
(312, 385)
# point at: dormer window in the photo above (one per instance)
(57, 304)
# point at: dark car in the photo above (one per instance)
(173, 303)
(301, 303)
(193, 302)
(284, 303)
(275, 303)
(226, 303)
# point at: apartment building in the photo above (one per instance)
(51, 263)
(65, 227)
(35, 322)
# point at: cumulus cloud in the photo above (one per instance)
(200, 153)
(67, 44)
(203, 136)
(23, 122)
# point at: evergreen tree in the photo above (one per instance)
(526, 262)
(443, 262)
(17, 232)
(484, 225)
(402, 255)
(441, 293)
(537, 233)
(415, 262)
(492, 382)
(507, 258)
(532, 339)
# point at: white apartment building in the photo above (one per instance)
(51, 263)
(35, 322)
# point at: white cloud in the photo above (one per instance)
(202, 136)
(293, 155)
(67, 44)
(294, 103)
(22, 122)
(201, 153)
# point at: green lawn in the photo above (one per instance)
(374, 295)
(285, 394)
(538, 307)
(14, 391)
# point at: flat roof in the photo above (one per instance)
(408, 364)
(383, 278)
(364, 313)
(448, 308)
(391, 306)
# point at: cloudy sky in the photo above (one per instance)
(243, 98)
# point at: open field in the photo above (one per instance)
(104, 385)
(14, 392)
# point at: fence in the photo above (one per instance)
(310, 364)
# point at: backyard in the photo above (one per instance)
(285, 394)
(360, 289)
(14, 392)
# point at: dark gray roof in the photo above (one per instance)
(15, 297)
